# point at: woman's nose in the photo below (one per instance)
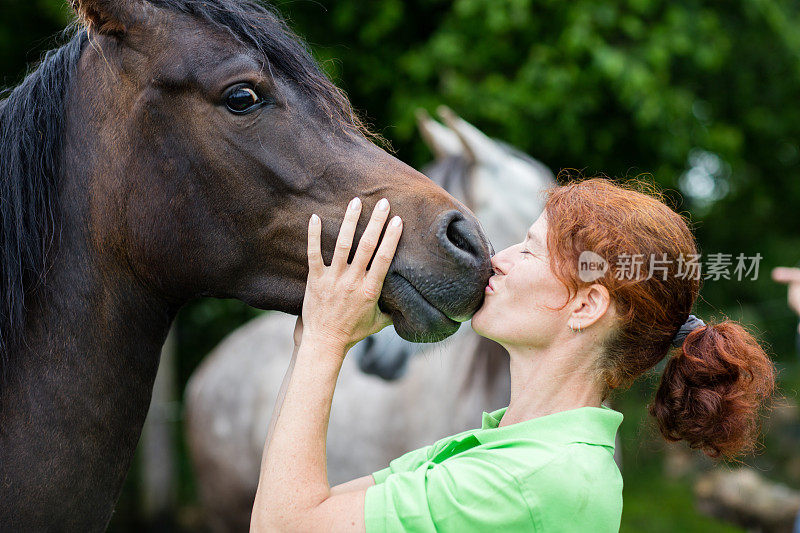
(495, 267)
(501, 261)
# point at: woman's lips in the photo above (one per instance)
(489, 287)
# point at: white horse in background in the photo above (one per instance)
(444, 386)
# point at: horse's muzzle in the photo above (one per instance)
(428, 295)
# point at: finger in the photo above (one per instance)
(345, 240)
(786, 275)
(383, 257)
(315, 263)
(369, 241)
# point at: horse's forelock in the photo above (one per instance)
(31, 121)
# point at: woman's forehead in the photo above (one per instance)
(538, 230)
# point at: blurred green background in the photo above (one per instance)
(703, 97)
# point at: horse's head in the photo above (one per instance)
(218, 137)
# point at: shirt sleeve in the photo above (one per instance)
(462, 494)
(405, 463)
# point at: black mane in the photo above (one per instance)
(31, 120)
(31, 123)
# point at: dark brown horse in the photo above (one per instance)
(174, 149)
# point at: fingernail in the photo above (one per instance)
(396, 221)
(314, 219)
(354, 203)
(383, 205)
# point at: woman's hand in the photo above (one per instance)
(340, 308)
(790, 276)
(341, 301)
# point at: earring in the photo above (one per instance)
(579, 328)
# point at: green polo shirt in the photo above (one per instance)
(552, 473)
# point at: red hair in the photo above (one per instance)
(713, 386)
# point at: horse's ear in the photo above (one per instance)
(441, 141)
(111, 17)
(479, 147)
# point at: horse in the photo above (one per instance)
(230, 397)
(171, 150)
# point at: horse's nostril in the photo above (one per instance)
(455, 236)
(462, 236)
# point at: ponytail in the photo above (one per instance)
(712, 389)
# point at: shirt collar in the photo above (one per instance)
(591, 425)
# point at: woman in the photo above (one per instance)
(574, 332)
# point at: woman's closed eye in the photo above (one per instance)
(530, 253)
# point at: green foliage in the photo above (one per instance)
(201, 325)
(27, 28)
(656, 505)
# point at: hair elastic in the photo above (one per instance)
(692, 323)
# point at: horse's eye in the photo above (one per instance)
(243, 100)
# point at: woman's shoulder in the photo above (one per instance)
(578, 482)
(529, 458)
(575, 463)
(581, 481)
(585, 435)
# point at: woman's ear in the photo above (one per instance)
(590, 305)
(110, 17)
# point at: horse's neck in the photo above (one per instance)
(72, 408)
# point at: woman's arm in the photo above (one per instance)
(276, 410)
(339, 309)
(361, 483)
(293, 491)
(358, 484)
(298, 337)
